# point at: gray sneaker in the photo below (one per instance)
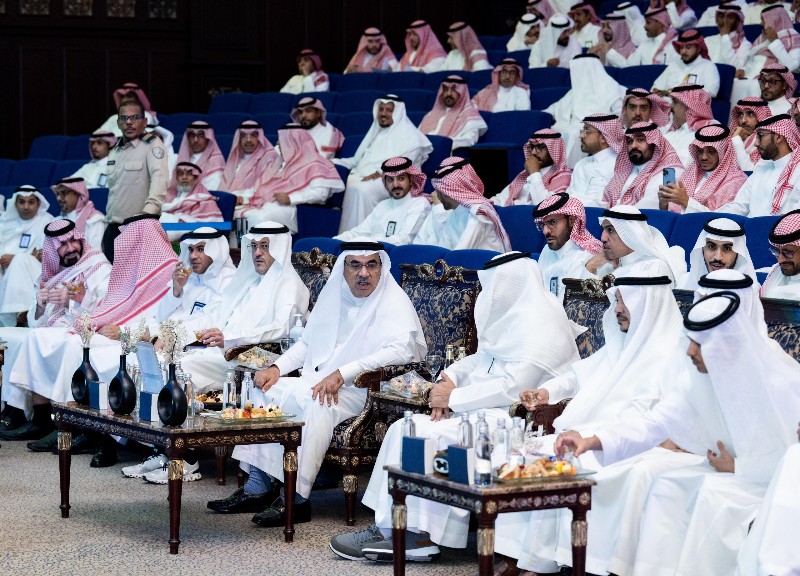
(419, 548)
(349, 545)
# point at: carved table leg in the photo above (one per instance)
(289, 488)
(64, 463)
(221, 453)
(399, 513)
(486, 546)
(175, 482)
(350, 485)
(579, 532)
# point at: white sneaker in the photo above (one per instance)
(154, 462)
(190, 474)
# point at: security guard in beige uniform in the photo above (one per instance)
(137, 173)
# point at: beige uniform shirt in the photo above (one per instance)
(137, 178)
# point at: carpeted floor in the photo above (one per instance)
(120, 526)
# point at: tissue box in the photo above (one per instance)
(148, 406)
(98, 395)
(461, 462)
(417, 455)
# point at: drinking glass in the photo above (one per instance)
(434, 362)
(286, 343)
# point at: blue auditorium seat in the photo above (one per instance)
(663, 220)
(334, 78)
(543, 97)
(752, 31)
(228, 122)
(513, 129)
(54, 208)
(5, 169)
(342, 171)
(721, 110)
(328, 99)
(472, 259)
(593, 221)
(688, 227)
(264, 102)
(400, 81)
(520, 57)
(357, 101)
(99, 197)
(416, 98)
(49, 147)
(490, 42)
(415, 254)
(640, 76)
(320, 220)
(326, 245)
(518, 223)
(355, 123)
(78, 148)
(230, 102)
(442, 145)
(433, 80)
(758, 230)
(226, 202)
(224, 142)
(495, 56)
(176, 123)
(37, 172)
(271, 122)
(726, 74)
(480, 79)
(358, 81)
(546, 77)
(66, 168)
(350, 146)
(416, 116)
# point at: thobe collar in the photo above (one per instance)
(602, 155)
(568, 246)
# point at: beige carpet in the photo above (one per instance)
(121, 526)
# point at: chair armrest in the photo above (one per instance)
(232, 353)
(372, 379)
(542, 415)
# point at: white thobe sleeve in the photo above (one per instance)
(503, 390)
(346, 162)
(294, 85)
(742, 157)
(273, 328)
(790, 59)
(433, 66)
(522, 101)
(665, 79)
(212, 182)
(562, 387)
(501, 198)
(429, 232)
(169, 303)
(478, 234)
(534, 188)
(687, 19)
(94, 233)
(467, 136)
(311, 195)
(395, 353)
(294, 357)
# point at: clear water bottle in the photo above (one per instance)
(136, 376)
(409, 429)
(229, 390)
(500, 442)
(516, 442)
(247, 387)
(465, 431)
(191, 401)
(462, 353)
(481, 418)
(483, 455)
(449, 355)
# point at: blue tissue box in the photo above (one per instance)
(98, 395)
(461, 462)
(148, 406)
(417, 455)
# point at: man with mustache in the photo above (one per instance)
(188, 199)
(311, 114)
(397, 219)
(641, 105)
(693, 67)
(373, 54)
(507, 90)
(199, 146)
(94, 171)
(602, 139)
(783, 280)
(744, 116)
(73, 197)
(454, 114)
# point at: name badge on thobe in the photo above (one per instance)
(25, 241)
(554, 285)
(691, 79)
(111, 163)
(197, 306)
(390, 228)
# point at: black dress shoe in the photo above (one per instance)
(275, 515)
(28, 431)
(240, 501)
(12, 419)
(46, 444)
(81, 444)
(106, 456)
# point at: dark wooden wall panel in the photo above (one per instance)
(40, 91)
(84, 105)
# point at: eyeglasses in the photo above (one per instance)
(783, 252)
(264, 247)
(769, 81)
(124, 118)
(763, 133)
(550, 223)
(588, 131)
(357, 266)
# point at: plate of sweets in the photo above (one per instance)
(212, 400)
(256, 358)
(541, 469)
(250, 413)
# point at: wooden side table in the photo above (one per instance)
(196, 432)
(486, 503)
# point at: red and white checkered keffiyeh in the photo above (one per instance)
(322, 77)
(557, 178)
(621, 34)
(454, 118)
(737, 35)
(139, 278)
(784, 125)
(785, 73)
(659, 108)
(199, 202)
(131, 87)
(609, 126)
(362, 54)
(265, 159)
(302, 165)
(661, 15)
(337, 138)
(694, 37)
(487, 97)
(466, 42)
(777, 17)
(107, 137)
(565, 205)
(761, 109)
(429, 47)
(456, 178)
(402, 165)
(211, 159)
(664, 156)
(595, 19)
(698, 105)
(726, 179)
(543, 8)
(85, 207)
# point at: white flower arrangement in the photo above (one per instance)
(85, 328)
(172, 334)
(129, 337)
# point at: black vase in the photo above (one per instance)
(122, 390)
(172, 405)
(81, 378)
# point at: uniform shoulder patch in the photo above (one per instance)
(158, 152)
(149, 137)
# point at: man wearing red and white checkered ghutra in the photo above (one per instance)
(744, 116)
(783, 280)
(602, 138)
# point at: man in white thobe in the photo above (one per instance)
(783, 280)
(73, 197)
(587, 24)
(602, 139)
(454, 114)
(693, 66)
(509, 358)
(507, 90)
(744, 116)
(655, 48)
(94, 171)
(397, 219)
(310, 113)
(199, 147)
